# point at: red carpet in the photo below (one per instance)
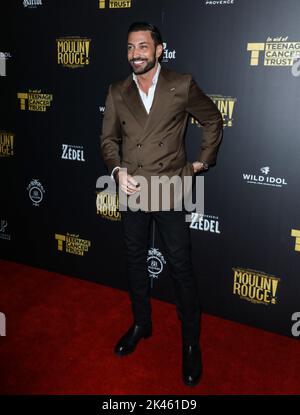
(61, 332)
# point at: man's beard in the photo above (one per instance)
(139, 71)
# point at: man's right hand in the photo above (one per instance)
(127, 182)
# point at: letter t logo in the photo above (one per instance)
(296, 234)
(255, 48)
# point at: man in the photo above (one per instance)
(146, 115)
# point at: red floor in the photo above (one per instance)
(61, 332)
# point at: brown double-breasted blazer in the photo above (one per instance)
(153, 144)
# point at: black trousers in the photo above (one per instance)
(175, 234)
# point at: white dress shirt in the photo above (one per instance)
(146, 98)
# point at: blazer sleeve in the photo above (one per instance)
(111, 134)
(206, 112)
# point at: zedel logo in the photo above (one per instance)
(207, 223)
(73, 52)
(264, 178)
(72, 152)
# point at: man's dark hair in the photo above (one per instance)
(144, 26)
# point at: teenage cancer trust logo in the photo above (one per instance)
(276, 51)
(72, 244)
(255, 286)
(114, 4)
(296, 234)
(35, 100)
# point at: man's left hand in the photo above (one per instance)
(199, 166)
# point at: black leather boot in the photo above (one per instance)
(191, 364)
(130, 339)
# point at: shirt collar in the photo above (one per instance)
(155, 77)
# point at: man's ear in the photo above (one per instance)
(159, 51)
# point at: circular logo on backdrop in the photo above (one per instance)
(155, 262)
(36, 192)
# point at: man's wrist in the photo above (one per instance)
(200, 166)
(205, 165)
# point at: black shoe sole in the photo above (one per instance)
(121, 354)
(188, 383)
(146, 336)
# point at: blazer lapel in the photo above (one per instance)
(164, 93)
(134, 102)
(163, 96)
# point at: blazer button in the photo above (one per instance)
(160, 164)
(161, 144)
(140, 166)
(139, 145)
(123, 122)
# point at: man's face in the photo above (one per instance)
(141, 52)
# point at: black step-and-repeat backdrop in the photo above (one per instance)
(57, 60)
